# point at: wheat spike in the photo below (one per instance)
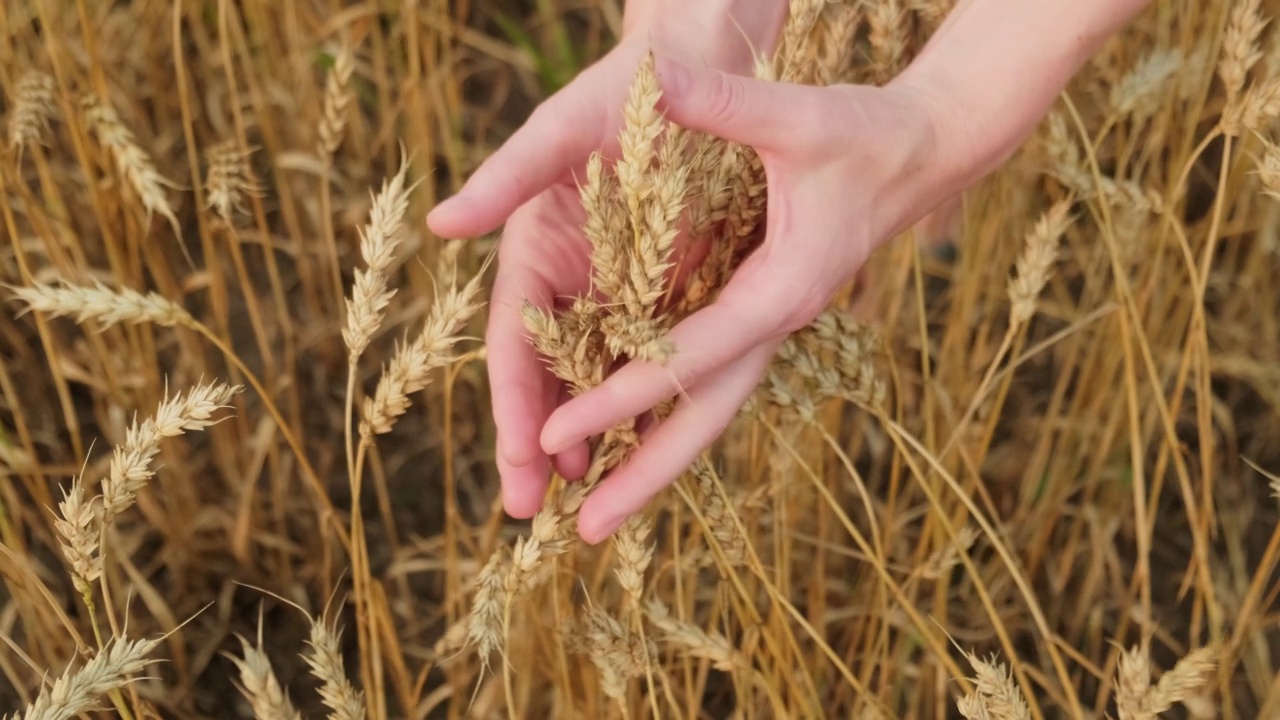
(378, 243)
(78, 692)
(410, 368)
(259, 685)
(132, 162)
(719, 515)
(229, 179)
(617, 654)
(1036, 261)
(888, 38)
(484, 625)
(102, 305)
(695, 641)
(32, 108)
(1240, 50)
(635, 551)
(1139, 91)
(79, 528)
(325, 660)
(131, 462)
(337, 99)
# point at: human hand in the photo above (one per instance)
(848, 167)
(529, 184)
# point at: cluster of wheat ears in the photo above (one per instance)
(1058, 486)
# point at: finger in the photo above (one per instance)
(524, 487)
(523, 392)
(765, 300)
(672, 447)
(764, 115)
(558, 136)
(572, 464)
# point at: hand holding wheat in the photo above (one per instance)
(530, 184)
(848, 167)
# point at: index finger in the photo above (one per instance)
(764, 301)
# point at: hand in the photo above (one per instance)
(529, 185)
(848, 167)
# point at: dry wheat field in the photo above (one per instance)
(246, 452)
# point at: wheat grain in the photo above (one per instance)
(378, 243)
(230, 179)
(325, 660)
(1035, 264)
(259, 685)
(974, 707)
(78, 692)
(337, 100)
(32, 108)
(131, 462)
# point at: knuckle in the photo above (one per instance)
(725, 97)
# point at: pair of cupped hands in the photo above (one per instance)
(847, 167)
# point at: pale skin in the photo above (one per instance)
(848, 168)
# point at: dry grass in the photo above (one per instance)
(1053, 442)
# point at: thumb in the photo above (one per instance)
(558, 136)
(763, 115)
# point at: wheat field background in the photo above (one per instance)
(246, 455)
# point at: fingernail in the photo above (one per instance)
(673, 76)
(447, 205)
